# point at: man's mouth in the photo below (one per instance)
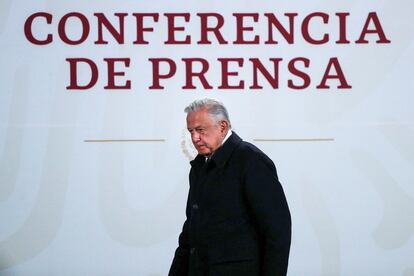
(201, 147)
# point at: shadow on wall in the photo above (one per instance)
(397, 224)
(44, 220)
(324, 227)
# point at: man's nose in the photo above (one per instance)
(195, 137)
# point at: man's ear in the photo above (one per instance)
(224, 126)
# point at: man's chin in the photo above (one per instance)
(204, 151)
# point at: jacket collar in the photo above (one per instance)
(222, 154)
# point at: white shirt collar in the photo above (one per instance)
(227, 136)
(229, 132)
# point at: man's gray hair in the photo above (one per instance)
(214, 108)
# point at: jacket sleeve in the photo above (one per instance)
(179, 266)
(271, 213)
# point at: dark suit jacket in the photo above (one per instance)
(238, 221)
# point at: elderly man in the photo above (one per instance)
(238, 221)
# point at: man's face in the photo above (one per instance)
(206, 134)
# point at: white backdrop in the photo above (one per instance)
(71, 206)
